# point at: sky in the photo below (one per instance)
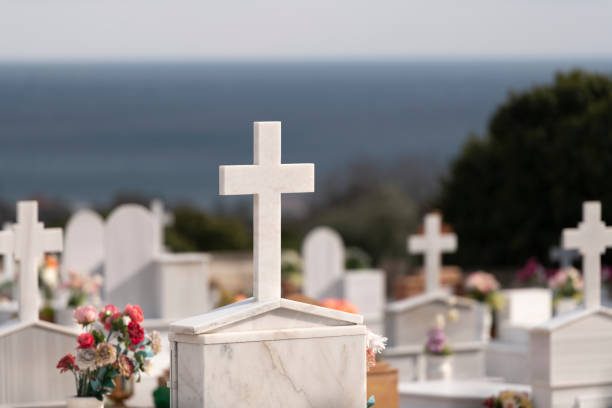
(302, 29)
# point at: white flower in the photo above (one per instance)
(50, 277)
(148, 366)
(453, 315)
(375, 342)
(440, 321)
(156, 344)
(86, 358)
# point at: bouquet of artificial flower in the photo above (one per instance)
(82, 289)
(507, 399)
(113, 344)
(484, 288)
(532, 274)
(375, 344)
(566, 283)
(437, 343)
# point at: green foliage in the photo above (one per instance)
(377, 220)
(510, 193)
(195, 230)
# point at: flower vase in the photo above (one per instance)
(84, 402)
(124, 389)
(486, 319)
(565, 305)
(439, 367)
(65, 317)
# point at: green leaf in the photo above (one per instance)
(95, 384)
(101, 373)
(109, 384)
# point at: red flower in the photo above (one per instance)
(86, 340)
(108, 314)
(135, 313)
(66, 363)
(136, 333)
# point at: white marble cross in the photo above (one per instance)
(432, 244)
(29, 240)
(591, 238)
(163, 219)
(565, 257)
(266, 179)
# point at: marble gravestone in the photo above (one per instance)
(408, 320)
(83, 244)
(570, 354)
(162, 219)
(30, 348)
(508, 356)
(325, 277)
(165, 285)
(266, 351)
(323, 253)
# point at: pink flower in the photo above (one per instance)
(85, 314)
(108, 314)
(86, 340)
(134, 312)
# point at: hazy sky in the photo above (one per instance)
(288, 29)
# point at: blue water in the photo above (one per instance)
(86, 132)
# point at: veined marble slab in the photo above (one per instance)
(452, 394)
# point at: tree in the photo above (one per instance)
(194, 230)
(510, 193)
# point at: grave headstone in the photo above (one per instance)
(408, 320)
(324, 276)
(31, 348)
(163, 219)
(248, 349)
(508, 356)
(83, 244)
(323, 252)
(129, 247)
(570, 354)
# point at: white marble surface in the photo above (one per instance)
(570, 357)
(432, 244)
(468, 361)
(8, 260)
(325, 372)
(273, 314)
(524, 309)
(509, 361)
(28, 239)
(83, 244)
(408, 320)
(591, 239)
(29, 353)
(129, 247)
(323, 253)
(267, 178)
(163, 219)
(452, 394)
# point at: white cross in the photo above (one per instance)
(267, 178)
(6, 249)
(591, 238)
(565, 257)
(29, 240)
(162, 220)
(432, 243)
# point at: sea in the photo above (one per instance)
(83, 132)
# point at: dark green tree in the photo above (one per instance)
(195, 230)
(512, 191)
